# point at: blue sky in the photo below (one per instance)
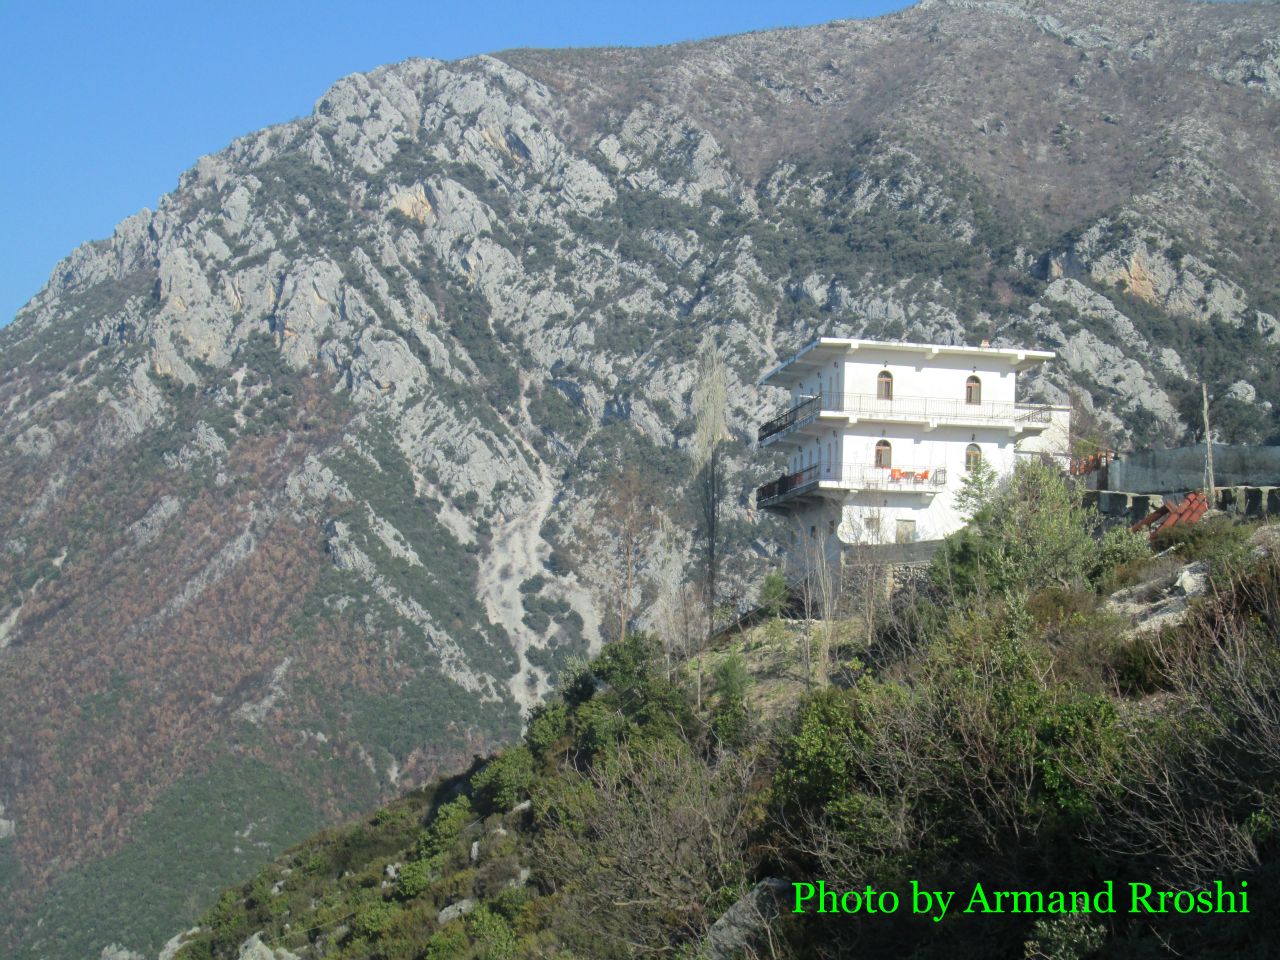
(107, 103)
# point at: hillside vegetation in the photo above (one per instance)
(996, 723)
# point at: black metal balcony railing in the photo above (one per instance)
(853, 476)
(788, 483)
(805, 410)
(908, 409)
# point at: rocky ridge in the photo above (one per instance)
(299, 461)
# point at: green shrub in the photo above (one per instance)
(445, 828)
(415, 876)
(1138, 666)
(1218, 540)
(819, 755)
(548, 726)
(1088, 648)
(1124, 576)
(492, 935)
(510, 902)
(448, 944)
(1053, 605)
(504, 782)
(774, 593)
(1071, 937)
(729, 720)
(372, 920)
(1032, 532)
(1119, 548)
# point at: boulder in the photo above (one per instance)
(746, 923)
(455, 910)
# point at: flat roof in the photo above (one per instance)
(824, 348)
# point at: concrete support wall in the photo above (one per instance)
(1131, 506)
(1241, 501)
(1182, 469)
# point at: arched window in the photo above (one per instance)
(972, 457)
(884, 454)
(973, 390)
(884, 385)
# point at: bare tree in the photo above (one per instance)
(1089, 433)
(642, 846)
(1181, 795)
(863, 574)
(617, 546)
(710, 400)
(674, 614)
(818, 588)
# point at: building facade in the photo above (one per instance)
(879, 436)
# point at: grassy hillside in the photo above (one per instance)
(999, 723)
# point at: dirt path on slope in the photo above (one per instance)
(518, 552)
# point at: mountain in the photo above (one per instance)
(301, 467)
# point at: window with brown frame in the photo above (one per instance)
(884, 455)
(972, 457)
(884, 385)
(973, 390)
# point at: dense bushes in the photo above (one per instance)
(972, 758)
(1031, 532)
(1007, 736)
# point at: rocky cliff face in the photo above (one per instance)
(296, 464)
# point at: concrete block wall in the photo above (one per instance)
(1243, 501)
(1182, 468)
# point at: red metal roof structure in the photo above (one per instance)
(1189, 510)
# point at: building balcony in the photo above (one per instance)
(821, 479)
(929, 412)
(802, 412)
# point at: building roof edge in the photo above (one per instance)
(1021, 358)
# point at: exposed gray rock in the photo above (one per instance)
(150, 525)
(1193, 579)
(1265, 542)
(116, 952)
(175, 943)
(7, 625)
(257, 711)
(1162, 602)
(745, 925)
(255, 949)
(205, 446)
(1243, 391)
(35, 441)
(455, 910)
(1255, 69)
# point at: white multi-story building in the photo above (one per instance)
(879, 436)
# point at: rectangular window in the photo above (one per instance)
(906, 532)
